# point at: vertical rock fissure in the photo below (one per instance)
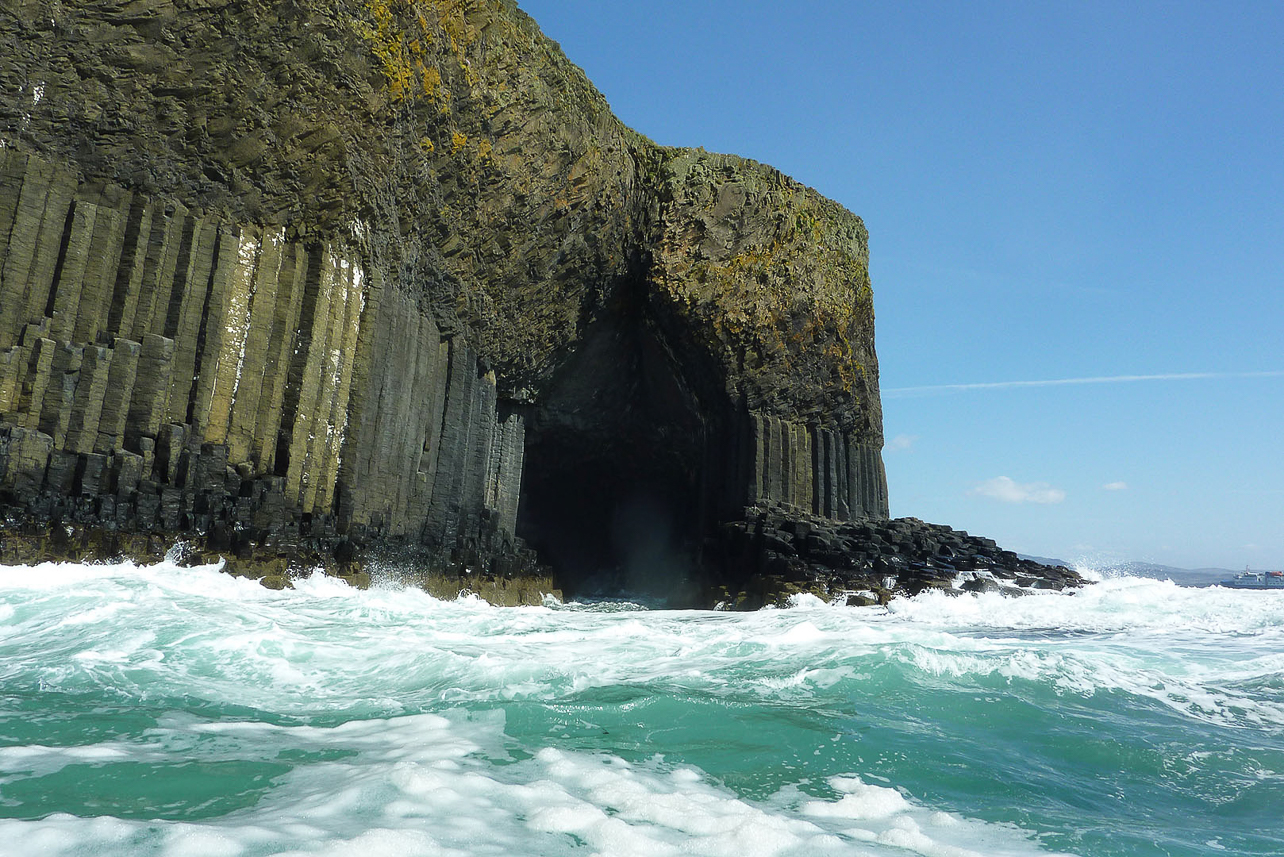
(134, 225)
(298, 360)
(62, 260)
(173, 312)
(202, 331)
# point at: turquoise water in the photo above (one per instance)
(182, 712)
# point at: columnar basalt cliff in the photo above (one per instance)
(319, 283)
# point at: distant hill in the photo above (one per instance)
(1182, 576)
(1136, 568)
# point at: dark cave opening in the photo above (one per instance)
(606, 531)
(614, 495)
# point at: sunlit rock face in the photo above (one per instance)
(314, 283)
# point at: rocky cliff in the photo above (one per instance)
(313, 283)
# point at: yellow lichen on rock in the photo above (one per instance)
(772, 276)
(403, 58)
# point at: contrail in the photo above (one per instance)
(896, 392)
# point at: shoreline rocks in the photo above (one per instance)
(764, 560)
(788, 553)
(518, 581)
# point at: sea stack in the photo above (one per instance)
(342, 284)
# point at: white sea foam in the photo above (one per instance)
(1122, 604)
(203, 633)
(428, 784)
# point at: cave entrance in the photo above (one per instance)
(614, 481)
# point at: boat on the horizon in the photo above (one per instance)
(1255, 580)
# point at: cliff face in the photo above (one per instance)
(303, 279)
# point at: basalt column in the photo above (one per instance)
(816, 470)
(168, 371)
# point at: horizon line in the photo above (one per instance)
(1064, 382)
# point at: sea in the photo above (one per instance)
(160, 710)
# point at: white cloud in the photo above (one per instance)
(1116, 486)
(901, 442)
(1007, 491)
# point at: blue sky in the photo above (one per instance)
(1053, 191)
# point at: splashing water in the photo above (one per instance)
(168, 711)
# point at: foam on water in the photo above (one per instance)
(432, 784)
(201, 633)
(1132, 604)
(323, 720)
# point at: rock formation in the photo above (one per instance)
(318, 283)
